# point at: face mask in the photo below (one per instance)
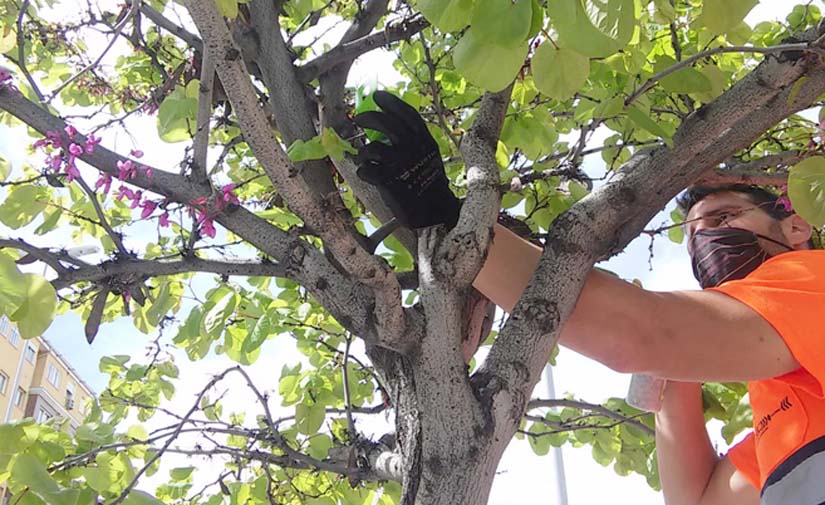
(726, 254)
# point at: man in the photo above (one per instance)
(757, 321)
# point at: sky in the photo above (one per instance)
(522, 476)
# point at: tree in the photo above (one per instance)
(513, 92)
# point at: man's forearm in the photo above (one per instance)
(610, 314)
(686, 456)
(510, 263)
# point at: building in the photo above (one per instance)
(36, 381)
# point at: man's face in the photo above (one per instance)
(735, 210)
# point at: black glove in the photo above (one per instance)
(408, 173)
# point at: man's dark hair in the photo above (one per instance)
(766, 200)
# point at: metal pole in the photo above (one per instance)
(558, 459)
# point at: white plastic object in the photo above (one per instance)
(646, 392)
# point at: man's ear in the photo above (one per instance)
(797, 231)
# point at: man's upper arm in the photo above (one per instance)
(727, 486)
(705, 336)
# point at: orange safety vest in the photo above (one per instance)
(785, 454)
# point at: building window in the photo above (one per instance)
(5, 325)
(43, 415)
(31, 354)
(54, 375)
(18, 397)
(14, 336)
(4, 379)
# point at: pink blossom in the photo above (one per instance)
(55, 162)
(71, 170)
(149, 173)
(124, 192)
(200, 217)
(148, 208)
(164, 220)
(52, 139)
(5, 77)
(208, 228)
(91, 143)
(200, 201)
(136, 199)
(104, 181)
(75, 149)
(127, 296)
(785, 203)
(137, 153)
(70, 131)
(228, 196)
(126, 170)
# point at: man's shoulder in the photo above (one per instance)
(812, 260)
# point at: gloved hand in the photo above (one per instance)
(408, 172)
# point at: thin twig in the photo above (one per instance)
(710, 52)
(116, 237)
(598, 409)
(20, 56)
(439, 110)
(118, 28)
(172, 438)
(201, 147)
(347, 401)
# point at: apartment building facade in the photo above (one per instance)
(36, 381)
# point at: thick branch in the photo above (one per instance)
(290, 100)
(348, 302)
(755, 171)
(205, 93)
(180, 32)
(348, 51)
(462, 254)
(155, 268)
(330, 223)
(602, 223)
(598, 409)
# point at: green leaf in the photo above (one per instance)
(335, 146)
(22, 205)
(309, 417)
(36, 312)
(686, 80)
(182, 473)
(178, 113)
(719, 17)
(5, 166)
(806, 189)
(228, 8)
(503, 22)
(141, 498)
(29, 470)
(559, 73)
(446, 15)
(259, 333)
(598, 29)
(486, 64)
(13, 288)
(647, 123)
(311, 149)
(8, 38)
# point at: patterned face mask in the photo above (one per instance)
(726, 254)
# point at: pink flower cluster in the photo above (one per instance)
(783, 201)
(202, 214)
(61, 157)
(5, 78)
